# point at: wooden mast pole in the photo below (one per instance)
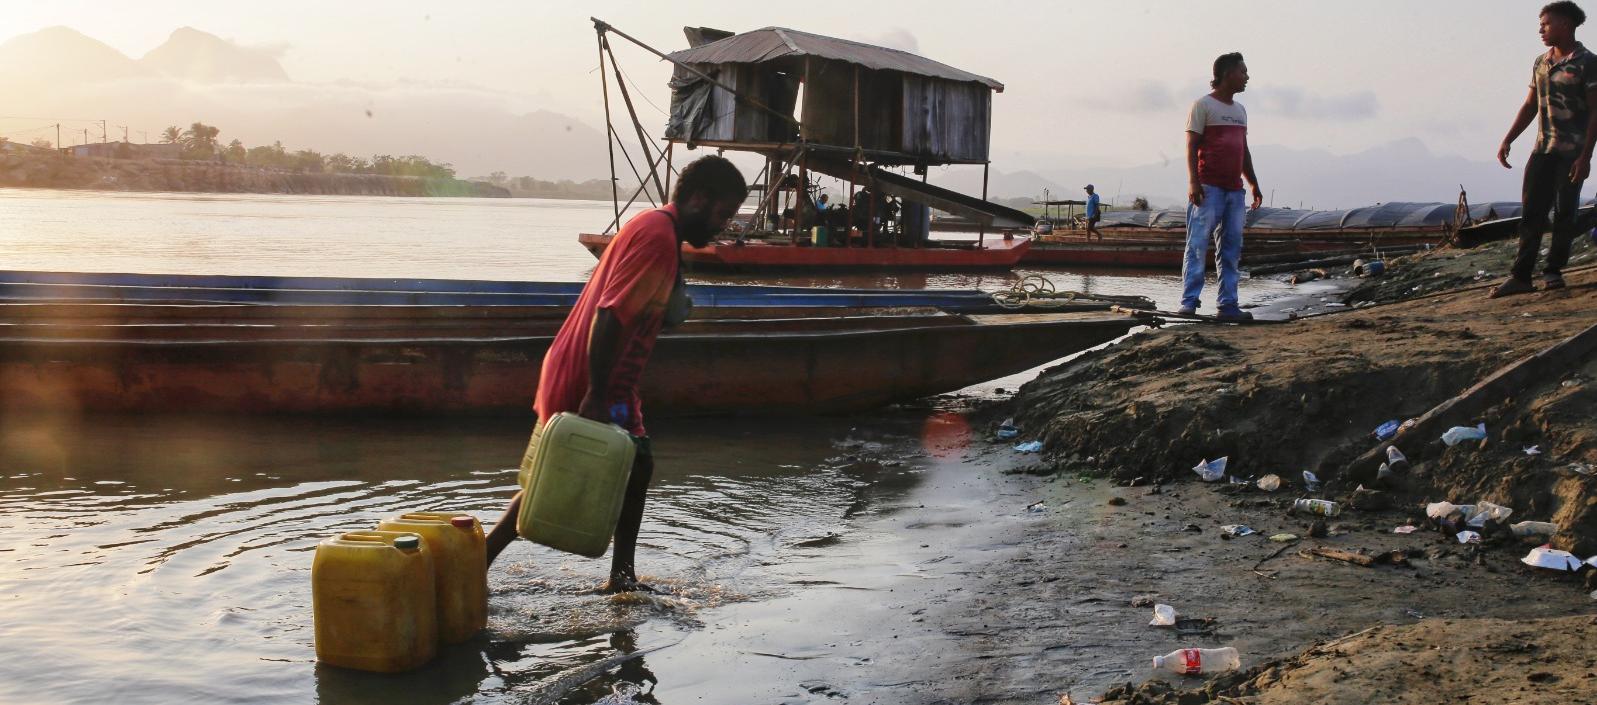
(609, 143)
(981, 240)
(626, 97)
(855, 166)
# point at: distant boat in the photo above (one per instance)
(90, 352)
(1157, 239)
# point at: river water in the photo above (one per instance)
(167, 560)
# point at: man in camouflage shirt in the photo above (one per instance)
(1563, 92)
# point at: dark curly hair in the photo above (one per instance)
(1567, 10)
(1225, 63)
(714, 177)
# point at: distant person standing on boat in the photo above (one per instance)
(1092, 213)
(1217, 161)
(596, 360)
(1563, 89)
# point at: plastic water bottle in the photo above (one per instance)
(1534, 528)
(1191, 662)
(1459, 434)
(1321, 507)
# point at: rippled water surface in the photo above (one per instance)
(167, 560)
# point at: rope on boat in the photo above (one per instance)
(1038, 292)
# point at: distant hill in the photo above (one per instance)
(61, 56)
(196, 76)
(201, 57)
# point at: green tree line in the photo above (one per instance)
(200, 142)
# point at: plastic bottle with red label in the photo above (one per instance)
(1192, 662)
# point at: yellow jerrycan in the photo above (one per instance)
(573, 479)
(460, 560)
(373, 596)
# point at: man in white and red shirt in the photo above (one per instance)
(1217, 161)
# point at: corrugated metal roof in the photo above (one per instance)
(773, 43)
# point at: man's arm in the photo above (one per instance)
(1194, 189)
(1527, 112)
(1247, 171)
(604, 347)
(1582, 167)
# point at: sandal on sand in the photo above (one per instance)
(1511, 287)
(1552, 282)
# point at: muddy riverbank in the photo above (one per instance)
(1122, 427)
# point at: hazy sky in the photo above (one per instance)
(1101, 83)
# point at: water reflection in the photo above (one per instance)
(171, 555)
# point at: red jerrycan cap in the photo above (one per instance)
(463, 522)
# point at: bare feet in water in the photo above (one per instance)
(619, 584)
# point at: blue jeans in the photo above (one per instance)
(1224, 209)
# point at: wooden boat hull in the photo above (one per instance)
(746, 367)
(453, 294)
(995, 253)
(1169, 251)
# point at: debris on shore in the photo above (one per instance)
(1329, 398)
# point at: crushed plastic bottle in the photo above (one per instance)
(1317, 507)
(1534, 528)
(1487, 510)
(1310, 481)
(1211, 470)
(1237, 531)
(1395, 458)
(1384, 474)
(1029, 447)
(1459, 434)
(1163, 616)
(1191, 662)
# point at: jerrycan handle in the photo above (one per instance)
(406, 542)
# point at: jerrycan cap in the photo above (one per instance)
(463, 522)
(410, 541)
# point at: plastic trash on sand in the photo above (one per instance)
(1533, 450)
(1534, 528)
(1551, 559)
(1459, 434)
(1395, 457)
(1211, 470)
(1284, 538)
(1007, 430)
(1270, 483)
(1163, 616)
(1387, 430)
(1029, 447)
(1487, 510)
(1311, 482)
(1469, 537)
(1405, 529)
(1237, 530)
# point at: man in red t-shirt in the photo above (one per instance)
(1218, 160)
(596, 360)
